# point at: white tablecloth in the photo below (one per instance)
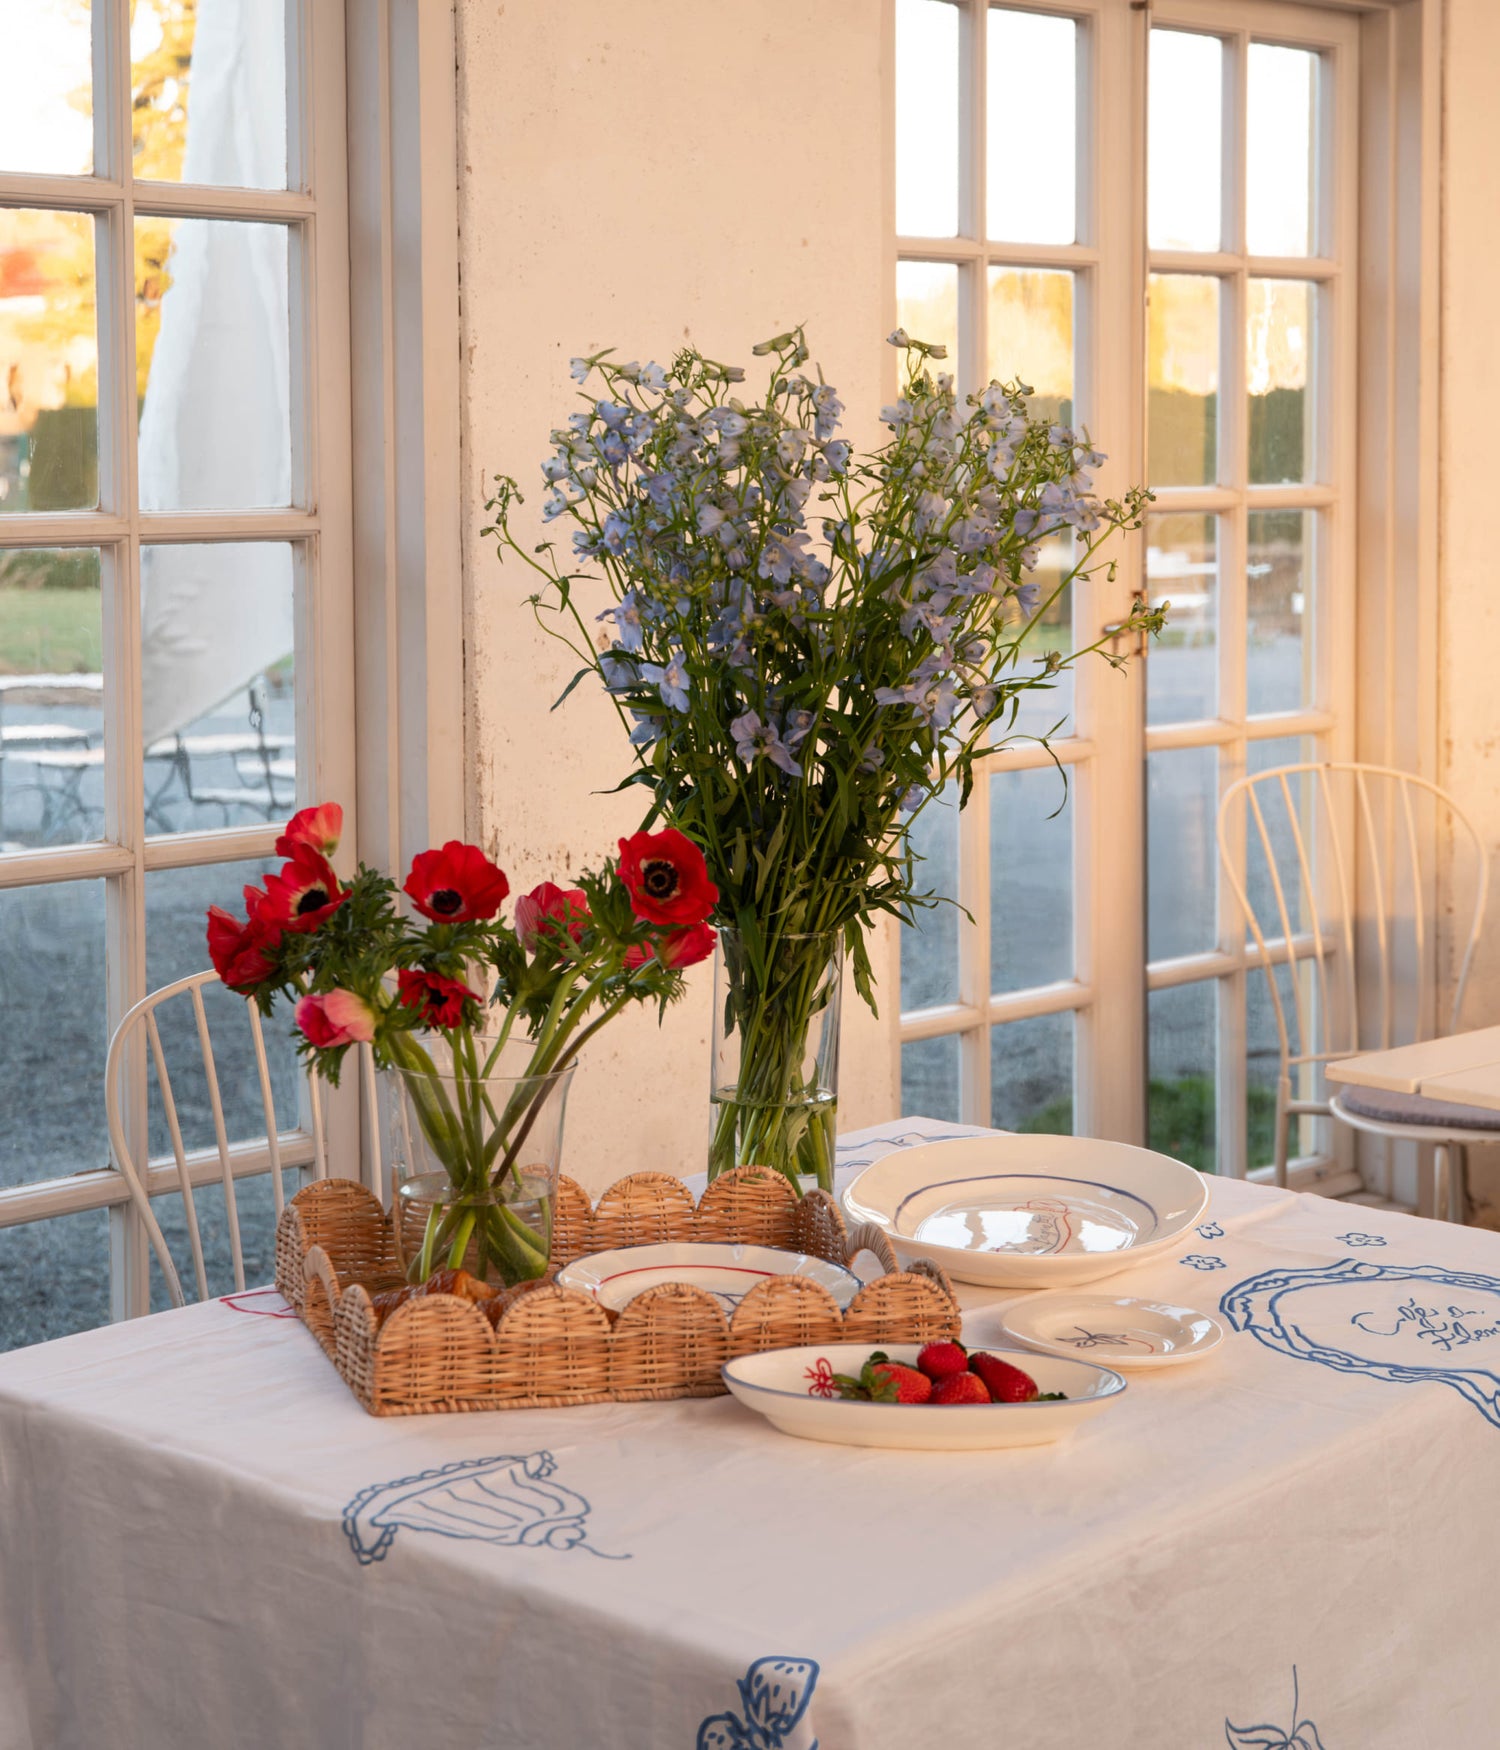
(205, 1543)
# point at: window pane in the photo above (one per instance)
(1031, 879)
(927, 305)
(1279, 317)
(46, 87)
(51, 697)
(1279, 151)
(1182, 447)
(1182, 665)
(1033, 86)
(1031, 337)
(1263, 1068)
(1182, 854)
(218, 689)
(254, 1204)
(929, 1077)
(49, 362)
(1265, 756)
(1048, 709)
(1278, 587)
(1031, 1075)
(176, 903)
(52, 1019)
(1182, 1029)
(54, 1277)
(929, 944)
(1185, 140)
(212, 328)
(926, 118)
(209, 104)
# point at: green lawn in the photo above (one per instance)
(49, 617)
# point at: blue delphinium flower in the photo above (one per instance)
(754, 740)
(648, 729)
(627, 618)
(671, 680)
(828, 410)
(911, 799)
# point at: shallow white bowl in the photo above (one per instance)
(1030, 1211)
(786, 1386)
(1117, 1329)
(728, 1272)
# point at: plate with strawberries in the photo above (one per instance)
(937, 1397)
(1030, 1211)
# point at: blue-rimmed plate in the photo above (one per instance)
(727, 1272)
(1030, 1211)
(794, 1390)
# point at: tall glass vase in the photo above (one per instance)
(476, 1158)
(775, 1081)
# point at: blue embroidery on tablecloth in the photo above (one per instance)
(774, 1696)
(510, 1500)
(1361, 1239)
(1204, 1261)
(1401, 1323)
(1210, 1230)
(1302, 1736)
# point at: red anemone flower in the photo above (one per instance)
(456, 885)
(681, 948)
(547, 906)
(315, 829)
(241, 952)
(667, 878)
(337, 1017)
(304, 893)
(440, 999)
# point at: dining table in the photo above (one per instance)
(206, 1543)
(1461, 1068)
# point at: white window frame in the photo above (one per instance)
(1382, 533)
(318, 523)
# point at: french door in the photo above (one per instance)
(175, 578)
(1150, 221)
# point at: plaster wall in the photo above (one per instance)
(632, 177)
(1469, 599)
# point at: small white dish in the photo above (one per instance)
(1117, 1329)
(728, 1272)
(791, 1387)
(1030, 1211)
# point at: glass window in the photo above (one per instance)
(926, 118)
(1031, 1075)
(49, 362)
(1033, 85)
(1185, 130)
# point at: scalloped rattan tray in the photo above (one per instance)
(554, 1346)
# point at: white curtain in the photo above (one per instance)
(214, 429)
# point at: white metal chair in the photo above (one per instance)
(196, 1166)
(1352, 840)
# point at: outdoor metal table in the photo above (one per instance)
(205, 1541)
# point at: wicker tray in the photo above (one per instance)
(553, 1346)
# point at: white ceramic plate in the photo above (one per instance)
(1030, 1211)
(790, 1387)
(1115, 1329)
(726, 1272)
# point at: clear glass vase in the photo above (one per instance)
(775, 1065)
(475, 1158)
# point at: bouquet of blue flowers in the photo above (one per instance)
(805, 645)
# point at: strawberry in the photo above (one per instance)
(938, 1360)
(911, 1387)
(1007, 1384)
(960, 1388)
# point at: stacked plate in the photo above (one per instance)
(1030, 1211)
